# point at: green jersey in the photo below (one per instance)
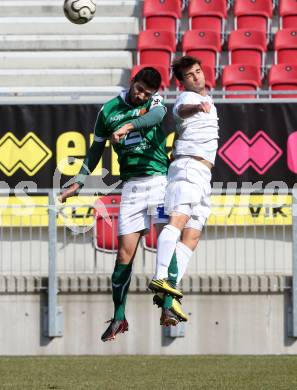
(142, 152)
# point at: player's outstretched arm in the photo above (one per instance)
(188, 110)
(90, 162)
(151, 118)
(68, 192)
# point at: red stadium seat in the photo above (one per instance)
(150, 239)
(208, 15)
(283, 77)
(162, 15)
(164, 72)
(106, 216)
(203, 44)
(285, 46)
(253, 14)
(156, 47)
(247, 47)
(288, 13)
(210, 80)
(239, 77)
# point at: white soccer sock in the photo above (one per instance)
(183, 256)
(166, 246)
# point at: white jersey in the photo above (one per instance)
(198, 134)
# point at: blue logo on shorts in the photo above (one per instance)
(161, 213)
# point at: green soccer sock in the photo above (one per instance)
(172, 279)
(121, 278)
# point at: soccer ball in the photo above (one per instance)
(79, 11)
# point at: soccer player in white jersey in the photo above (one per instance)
(189, 175)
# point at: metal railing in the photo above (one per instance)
(45, 240)
(239, 244)
(95, 95)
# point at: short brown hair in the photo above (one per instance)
(181, 63)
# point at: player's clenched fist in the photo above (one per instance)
(204, 107)
(68, 192)
(121, 133)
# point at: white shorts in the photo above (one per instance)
(189, 184)
(142, 203)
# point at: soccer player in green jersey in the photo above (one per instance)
(132, 121)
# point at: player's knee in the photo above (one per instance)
(191, 238)
(124, 255)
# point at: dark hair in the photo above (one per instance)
(150, 76)
(182, 63)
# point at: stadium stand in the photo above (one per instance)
(42, 52)
(285, 46)
(154, 44)
(239, 77)
(238, 286)
(162, 15)
(106, 215)
(283, 77)
(253, 14)
(288, 13)
(247, 47)
(208, 15)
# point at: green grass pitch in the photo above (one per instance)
(149, 372)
